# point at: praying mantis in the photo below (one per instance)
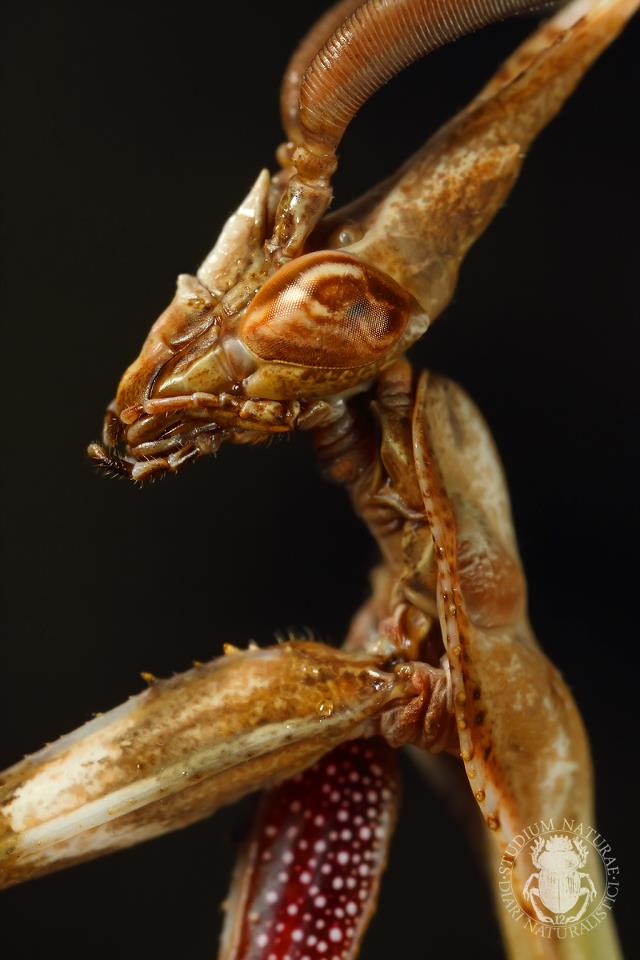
(299, 320)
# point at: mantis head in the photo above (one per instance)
(292, 311)
(250, 347)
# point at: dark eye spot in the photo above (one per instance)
(357, 311)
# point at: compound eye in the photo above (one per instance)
(326, 310)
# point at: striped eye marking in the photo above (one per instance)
(326, 310)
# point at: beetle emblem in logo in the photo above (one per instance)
(559, 900)
(559, 891)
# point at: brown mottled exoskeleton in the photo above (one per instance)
(291, 315)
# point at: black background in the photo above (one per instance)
(132, 132)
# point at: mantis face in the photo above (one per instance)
(263, 357)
